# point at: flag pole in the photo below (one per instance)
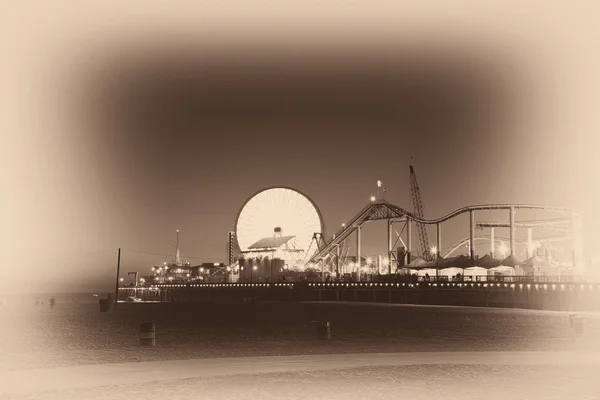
(117, 282)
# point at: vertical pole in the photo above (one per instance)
(118, 272)
(529, 242)
(390, 250)
(408, 240)
(358, 260)
(492, 241)
(337, 261)
(472, 234)
(576, 232)
(438, 250)
(512, 230)
(439, 239)
(322, 270)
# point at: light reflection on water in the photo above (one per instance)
(74, 333)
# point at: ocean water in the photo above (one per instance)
(75, 332)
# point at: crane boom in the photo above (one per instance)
(417, 209)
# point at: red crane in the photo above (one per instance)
(418, 210)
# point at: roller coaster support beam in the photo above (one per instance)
(529, 242)
(390, 246)
(358, 260)
(492, 238)
(512, 230)
(408, 241)
(472, 234)
(337, 261)
(577, 248)
(439, 241)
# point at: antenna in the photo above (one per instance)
(177, 257)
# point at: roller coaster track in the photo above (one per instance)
(382, 210)
(501, 239)
(559, 224)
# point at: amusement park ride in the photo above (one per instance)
(328, 254)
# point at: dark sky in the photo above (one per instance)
(176, 134)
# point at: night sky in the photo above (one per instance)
(126, 131)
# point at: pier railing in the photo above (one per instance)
(537, 294)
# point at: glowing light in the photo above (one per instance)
(503, 248)
(343, 225)
(255, 267)
(373, 198)
(369, 260)
(434, 250)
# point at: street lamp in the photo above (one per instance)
(373, 198)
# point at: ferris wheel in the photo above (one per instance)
(279, 212)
